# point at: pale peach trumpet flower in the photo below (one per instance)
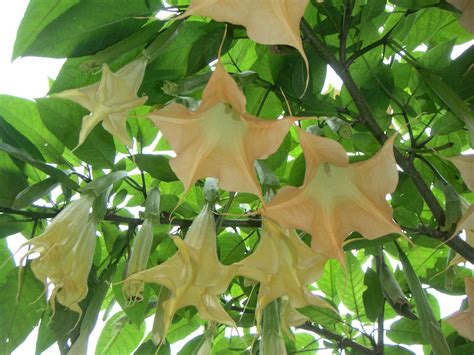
(110, 100)
(66, 250)
(194, 276)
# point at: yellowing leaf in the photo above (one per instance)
(110, 100)
(219, 139)
(463, 321)
(266, 21)
(338, 198)
(284, 265)
(465, 165)
(194, 275)
(467, 17)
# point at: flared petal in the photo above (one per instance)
(465, 165)
(463, 321)
(194, 276)
(219, 139)
(338, 198)
(284, 265)
(267, 21)
(110, 100)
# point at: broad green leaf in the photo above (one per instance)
(438, 57)
(20, 308)
(12, 180)
(46, 336)
(231, 248)
(34, 192)
(451, 99)
(173, 61)
(23, 116)
(192, 346)
(6, 258)
(323, 316)
(55, 173)
(429, 325)
(91, 313)
(350, 285)
(148, 348)
(446, 124)
(10, 224)
(373, 296)
(157, 166)
(99, 185)
(183, 327)
(90, 26)
(406, 331)
(119, 336)
(38, 15)
(63, 118)
(328, 281)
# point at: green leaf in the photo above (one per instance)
(373, 296)
(231, 248)
(157, 166)
(297, 171)
(97, 296)
(10, 225)
(101, 184)
(446, 124)
(173, 55)
(64, 118)
(119, 336)
(6, 258)
(350, 285)
(55, 173)
(23, 116)
(90, 26)
(34, 192)
(12, 180)
(38, 15)
(438, 57)
(328, 281)
(429, 325)
(148, 348)
(323, 316)
(183, 327)
(19, 318)
(451, 99)
(406, 331)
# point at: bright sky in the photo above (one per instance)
(28, 78)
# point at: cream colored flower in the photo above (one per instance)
(110, 100)
(66, 250)
(194, 276)
(284, 265)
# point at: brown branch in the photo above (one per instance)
(366, 117)
(341, 341)
(113, 217)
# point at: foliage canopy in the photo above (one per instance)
(105, 176)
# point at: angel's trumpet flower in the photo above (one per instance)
(66, 250)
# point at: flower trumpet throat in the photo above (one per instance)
(194, 276)
(66, 250)
(110, 100)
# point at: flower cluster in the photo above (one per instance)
(220, 139)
